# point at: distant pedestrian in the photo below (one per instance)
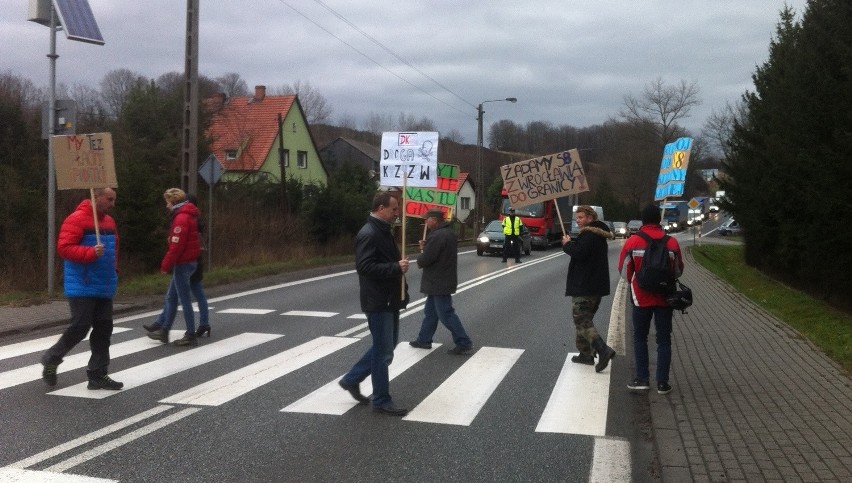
(587, 283)
(512, 232)
(184, 247)
(439, 261)
(647, 305)
(90, 280)
(381, 271)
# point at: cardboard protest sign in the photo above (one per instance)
(673, 169)
(84, 161)
(420, 200)
(409, 159)
(544, 178)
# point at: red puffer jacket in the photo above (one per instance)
(184, 242)
(631, 261)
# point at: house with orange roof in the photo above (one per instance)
(245, 136)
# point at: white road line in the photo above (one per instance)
(225, 388)
(40, 345)
(310, 313)
(33, 372)
(331, 399)
(118, 442)
(11, 475)
(461, 396)
(167, 366)
(353, 329)
(578, 403)
(362, 334)
(357, 316)
(87, 438)
(610, 461)
(615, 335)
(246, 311)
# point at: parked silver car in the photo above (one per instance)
(730, 227)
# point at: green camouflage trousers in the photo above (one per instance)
(583, 309)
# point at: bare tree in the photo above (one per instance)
(663, 106)
(377, 123)
(232, 85)
(454, 135)
(116, 86)
(720, 126)
(313, 102)
(347, 121)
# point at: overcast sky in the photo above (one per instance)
(567, 61)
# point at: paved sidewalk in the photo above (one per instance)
(753, 400)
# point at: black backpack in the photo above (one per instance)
(655, 274)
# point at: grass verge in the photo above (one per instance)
(827, 327)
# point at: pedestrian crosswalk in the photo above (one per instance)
(574, 406)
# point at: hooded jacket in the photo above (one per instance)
(439, 261)
(377, 263)
(184, 242)
(588, 272)
(630, 261)
(85, 273)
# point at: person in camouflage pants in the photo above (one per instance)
(587, 283)
(583, 310)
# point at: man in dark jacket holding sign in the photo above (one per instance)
(439, 261)
(587, 283)
(380, 273)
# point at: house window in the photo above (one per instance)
(286, 158)
(302, 159)
(230, 154)
(465, 203)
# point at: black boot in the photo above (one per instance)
(605, 353)
(588, 359)
(188, 339)
(161, 335)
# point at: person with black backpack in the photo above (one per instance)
(652, 262)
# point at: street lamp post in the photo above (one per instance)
(480, 191)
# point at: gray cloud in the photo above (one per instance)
(567, 61)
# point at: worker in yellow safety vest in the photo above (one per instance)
(512, 231)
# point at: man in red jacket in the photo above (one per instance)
(647, 305)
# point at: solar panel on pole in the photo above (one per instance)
(78, 21)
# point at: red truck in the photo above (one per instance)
(541, 218)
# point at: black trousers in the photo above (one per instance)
(86, 313)
(512, 247)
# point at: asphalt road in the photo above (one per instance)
(258, 401)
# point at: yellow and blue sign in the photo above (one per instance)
(673, 169)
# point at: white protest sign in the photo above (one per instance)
(409, 159)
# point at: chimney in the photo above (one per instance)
(259, 93)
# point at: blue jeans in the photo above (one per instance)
(384, 328)
(440, 307)
(170, 306)
(663, 326)
(179, 290)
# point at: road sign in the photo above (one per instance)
(211, 170)
(693, 203)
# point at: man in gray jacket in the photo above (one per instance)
(439, 261)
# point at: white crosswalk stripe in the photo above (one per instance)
(330, 399)
(167, 366)
(40, 345)
(577, 404)
(33, 372)
(460, 397)
(236, 383)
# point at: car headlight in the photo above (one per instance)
(483, 239)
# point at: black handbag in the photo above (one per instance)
(681, 298)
